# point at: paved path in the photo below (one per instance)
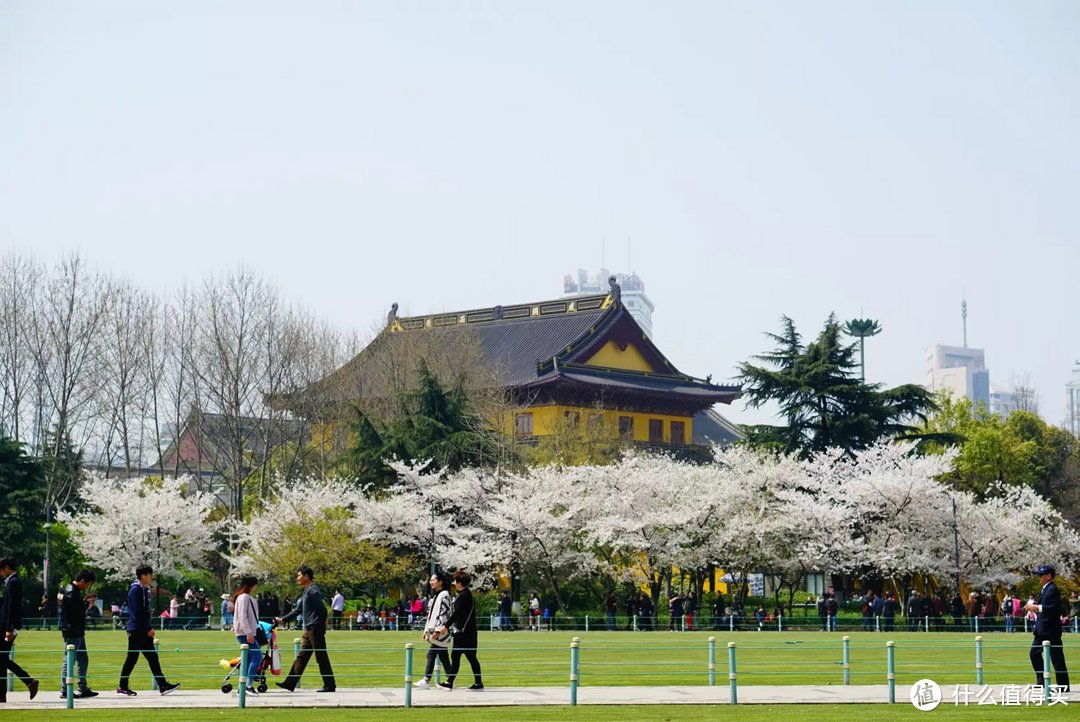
(491, 697)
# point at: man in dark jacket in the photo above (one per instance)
(10, 624)
(140, 633)
(73, 627)
(463, 620)
(311, 609)
(1048, 611)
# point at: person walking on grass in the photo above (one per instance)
(463, 624)
(1048, 612)
(311, 609)
(246, 626)
(438, 618)
(140, 635)
(73, 627)
(10, 624)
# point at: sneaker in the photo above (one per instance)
(446, 685)
(478, 686)
(252, 690)
(85, 694)
(168, 687)
(124, 692)
(326, 689)
(422, 684)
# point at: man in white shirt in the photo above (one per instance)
(337, 608)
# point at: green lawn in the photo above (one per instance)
(377, 659)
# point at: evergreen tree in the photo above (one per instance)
(818, 389)
(22, 489)
(433, 423)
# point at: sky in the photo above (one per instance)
(746, 159)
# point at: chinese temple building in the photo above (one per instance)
(578, 360)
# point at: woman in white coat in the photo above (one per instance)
(435, 631)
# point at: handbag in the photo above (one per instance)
(261, 639)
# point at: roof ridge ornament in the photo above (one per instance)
(392, 316)
(616, 291)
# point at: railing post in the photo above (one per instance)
(877, 622)
(157, 648)
(847, 659)
(635, 623)
(712, 661)
(69, 675)
(1046, 670)
(1025, 624)
(408, 674)
(976, 625)
(978, 661)
(731, 622)
(586, 622)
(243, 678)
(780, 623)
(574, 661)
(296, 653)
(926, 619)
(11, 675)
(890, 655)
(733, 691)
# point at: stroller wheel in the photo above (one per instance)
(261, 688)
(226, 688)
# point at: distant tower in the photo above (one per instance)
(633, 292)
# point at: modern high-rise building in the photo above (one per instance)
(633, 292)
(1072, 393)
(1002, 402)
(960, 370)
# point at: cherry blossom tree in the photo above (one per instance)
(133, 522)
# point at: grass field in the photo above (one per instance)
(658, 713)
(377, 659)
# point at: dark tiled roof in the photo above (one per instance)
(528, 345)
(712, 428)
(515, 347)
(682, 386)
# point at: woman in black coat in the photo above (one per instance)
(463, 619)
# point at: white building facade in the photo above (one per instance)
(960, 370)
(1072, 396)
(633, 292)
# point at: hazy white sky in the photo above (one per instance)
(763, 158)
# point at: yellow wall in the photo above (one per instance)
(548, 419)
(611, 356)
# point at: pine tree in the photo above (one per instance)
(821, 396)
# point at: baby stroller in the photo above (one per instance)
(271, 661)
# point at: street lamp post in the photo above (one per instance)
(956, 542)
(48, 548)
(157, 570)
(861, 328)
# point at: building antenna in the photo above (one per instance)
(963, 315)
